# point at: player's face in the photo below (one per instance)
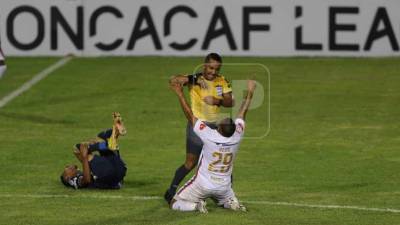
(70, 171)
(211, 69)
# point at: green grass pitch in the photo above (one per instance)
(334, 137)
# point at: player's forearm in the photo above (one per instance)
(86, 171)
(227, 102)
(179, 79)
(245, 105)
(186, 108)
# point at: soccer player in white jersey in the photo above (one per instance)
(3, 66)
(214, 170)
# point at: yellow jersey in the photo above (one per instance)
(216, 88)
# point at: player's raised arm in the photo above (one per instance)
(87, 179)
(251, 86)
(179, 79)
(177, 88)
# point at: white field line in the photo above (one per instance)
(80, 196)
(323, 206)
(147, 198)
(35, 79)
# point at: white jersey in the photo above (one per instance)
(218, 154)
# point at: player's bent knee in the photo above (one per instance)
(189, 165)
(183, 206)
(191, 161)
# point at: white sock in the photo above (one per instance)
(2, 70)
(181, 205)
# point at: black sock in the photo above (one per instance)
(180, 173)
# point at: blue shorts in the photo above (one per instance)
(107, 171)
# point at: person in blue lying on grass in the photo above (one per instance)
(105, 170)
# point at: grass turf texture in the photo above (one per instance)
(333, 140)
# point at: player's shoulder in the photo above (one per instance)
(221, 80)
(202, 127)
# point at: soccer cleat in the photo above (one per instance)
(119, 125)
(168, 197)
(234, 204)
(117, 129)
(201, 206)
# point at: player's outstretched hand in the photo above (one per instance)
(251, 85)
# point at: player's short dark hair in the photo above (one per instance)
(64, 181)
(213, 56)
(227, 127)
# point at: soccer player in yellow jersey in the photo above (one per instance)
(208, 92)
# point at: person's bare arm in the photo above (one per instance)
(87, 178)
(184, 80)
(251, 86)
(179, 79)
(177, 88)
(227, 100)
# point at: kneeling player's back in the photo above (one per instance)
(218, 154)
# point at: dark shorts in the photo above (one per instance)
(194, 144)
(107, 171)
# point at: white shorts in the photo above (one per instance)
(193, 191)
(2, 70)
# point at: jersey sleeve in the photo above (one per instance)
(240, 126)
(76, 182)
(226, 86)
(201, 129)
(193, 78)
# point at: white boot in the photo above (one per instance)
(201, 207)
(234, 204)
